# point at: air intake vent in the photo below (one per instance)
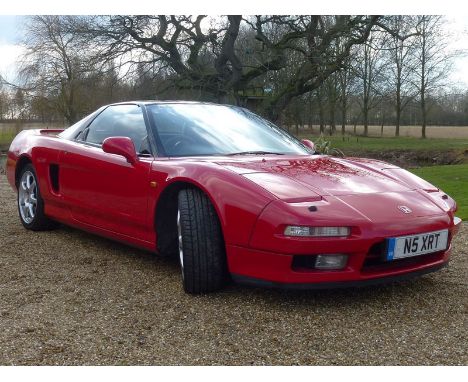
(54, 177)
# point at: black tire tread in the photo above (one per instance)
(203, 244)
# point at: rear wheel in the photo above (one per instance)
(201, 245)
(30, 203)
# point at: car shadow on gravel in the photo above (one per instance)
(108, 246)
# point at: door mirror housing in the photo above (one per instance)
(309, 144)
(121, 146)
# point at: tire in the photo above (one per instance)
(201, 245)
(30, 203)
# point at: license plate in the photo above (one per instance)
(415, 245)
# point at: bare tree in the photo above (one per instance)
(19, 103)
(55, 62)
(321, 99)
(176, 43)
(4, 104)
(331, 91)
(341, 66)
(369, 68)
(346, 84)
(434, 61)
(402, 65)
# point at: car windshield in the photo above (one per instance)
(204, 129)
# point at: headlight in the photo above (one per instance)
(303, 231)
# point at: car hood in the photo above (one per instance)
(374, 190)
(323, 175)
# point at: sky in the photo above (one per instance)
(458, 27)
(11, 49)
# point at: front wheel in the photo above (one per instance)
(30, 203)
(201, 245)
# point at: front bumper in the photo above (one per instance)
(250, 281)
(272, 269)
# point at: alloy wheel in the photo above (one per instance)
(27, 197)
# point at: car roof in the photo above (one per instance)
(161, 102)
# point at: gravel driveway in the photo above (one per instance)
(71, 298)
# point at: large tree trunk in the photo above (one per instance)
(332, 118)
(423, 83)
(344, 105)
(321, 112)
(397, 127)
(367, 90)
(343, 119)
(321, 120)
(423, 103)
(398, 109)
(366, 123)
(398, 118)
(365, 116)
(423, 115)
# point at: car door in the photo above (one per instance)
(102, 189)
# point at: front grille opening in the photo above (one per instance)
(303, 263)
(377, 254)
(376, 259)
(404, 263)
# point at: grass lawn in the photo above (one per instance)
(453, 180)
(5, 139)
(357, 143)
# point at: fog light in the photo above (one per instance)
(331, 262)
(292, 230)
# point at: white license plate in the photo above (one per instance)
(415, 245)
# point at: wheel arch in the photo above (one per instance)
(165, 214)
(22, 161)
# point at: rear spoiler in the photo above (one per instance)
(50, 131)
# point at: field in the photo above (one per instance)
(447, 136)
(405, 131)
(406, 152)
(6, 136)
(357, 143)
(9, 130)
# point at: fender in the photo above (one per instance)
(234, 198)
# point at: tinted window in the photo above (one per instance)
(203, 129)
(72, 131)
(119, 121)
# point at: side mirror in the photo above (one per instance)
(121, 146)
(309, 144)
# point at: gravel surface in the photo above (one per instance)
(71, 298)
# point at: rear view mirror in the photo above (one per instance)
(309, 144)
(121, 146)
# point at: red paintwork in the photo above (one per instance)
(255, 198)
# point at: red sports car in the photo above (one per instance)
(233, 196)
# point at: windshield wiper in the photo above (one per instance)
(254, 153)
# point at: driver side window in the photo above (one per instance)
(119, 121)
